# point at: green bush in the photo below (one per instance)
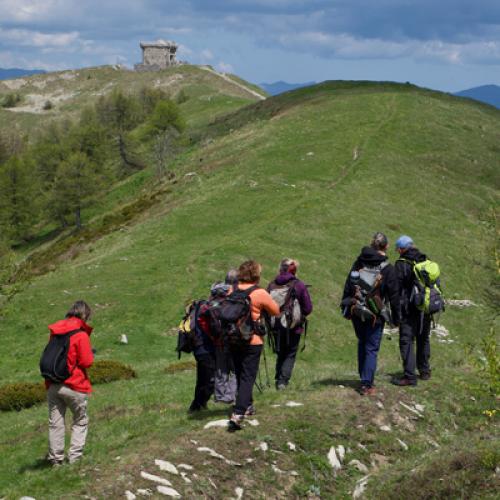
(25, 394)
(48, 105)
(106, 371)
(21, 395)
(11, 100)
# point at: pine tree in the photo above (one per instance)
(77, 182)
(18, 200)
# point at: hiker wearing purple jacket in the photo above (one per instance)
(288, 330)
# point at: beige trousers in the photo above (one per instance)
(59, 398)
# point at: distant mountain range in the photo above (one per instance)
(6, 74)
(280, 87)
(490, 94)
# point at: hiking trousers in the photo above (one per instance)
(369, 339)
(225, 379)
(246, 360)
(60, 397)
(415, 328)
(288, 344)
(205, 376)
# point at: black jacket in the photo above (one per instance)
(390, 288)
(406, 277)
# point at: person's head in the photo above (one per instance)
(403, 244)
(231, 277)
(289, 266)
(379, 242)
(79, 309)
(249, 272)
(219, 289)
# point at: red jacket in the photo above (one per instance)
(80, 355)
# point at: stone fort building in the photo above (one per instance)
(157, 55)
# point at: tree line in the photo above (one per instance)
(55, 176)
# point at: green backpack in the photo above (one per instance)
(426, 293)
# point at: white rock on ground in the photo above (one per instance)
(129, 495)
(123, 339)
(216, 423)
(212, 453)
(253, 422)
(169, 492)
(293, 404)
(341, 452)
(403, 444)
(385, 428)
(155, 479)
(362, 447)
(145, 492)
(291, 446)
(420, 408)
(380, 405)
(185, 466)
(360, 487)
(459, 302)
(263, 446)
(334, 461)
(409, 408)
(239, 493)
(359, 465)
(27, 498)
(186, 478)
(166, 466)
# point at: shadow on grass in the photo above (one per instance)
(215, 412)
(353, 384)
(39, 464)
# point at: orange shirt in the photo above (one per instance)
(259, 300)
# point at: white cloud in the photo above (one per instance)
(207, 54)
(38, 39)
(27, 10)
(346, 46)
(224, 67)
(176, 31)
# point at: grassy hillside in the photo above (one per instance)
(206, 93)
(310, 174)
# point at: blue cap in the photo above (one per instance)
(404, 242)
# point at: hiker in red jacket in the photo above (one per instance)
(73, 392)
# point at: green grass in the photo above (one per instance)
(312, 175)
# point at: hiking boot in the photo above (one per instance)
(425, 376)
(250, 411)
(404, 382)
(194, 408)
(234, 423)
(366, 390)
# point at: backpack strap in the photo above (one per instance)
(248, 291)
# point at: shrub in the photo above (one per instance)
(10, 100)
(21, 395)
(48, 105)
(105, 371)
(25, 394)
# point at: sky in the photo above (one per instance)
(448, 45)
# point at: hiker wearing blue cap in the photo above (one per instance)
(415, 325)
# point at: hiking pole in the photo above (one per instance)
(265, 365)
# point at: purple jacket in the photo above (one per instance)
(302, 295)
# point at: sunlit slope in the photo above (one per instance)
(205, 93)
(314, 182)
(311, 176)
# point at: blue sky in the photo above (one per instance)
(443, 44)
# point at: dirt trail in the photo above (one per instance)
(230, 80)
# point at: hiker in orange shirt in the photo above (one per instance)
(246, 354)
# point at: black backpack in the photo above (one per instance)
(231, 318)
(54, 360)
(187, 336)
